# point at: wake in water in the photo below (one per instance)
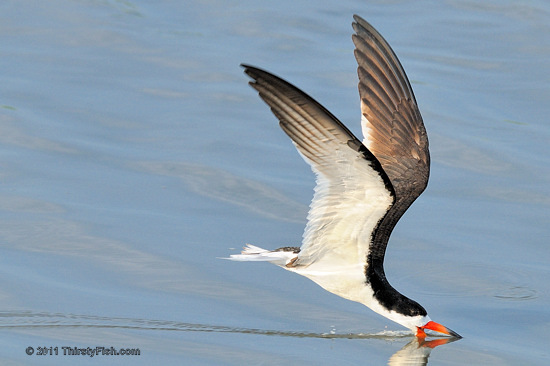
(29, 319)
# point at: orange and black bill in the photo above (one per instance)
(437, 328)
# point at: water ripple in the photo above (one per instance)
(29, 319)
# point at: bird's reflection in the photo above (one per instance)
(417, 351)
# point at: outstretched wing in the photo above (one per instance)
(392, 126)
(353, 192)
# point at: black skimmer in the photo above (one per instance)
(363, 188)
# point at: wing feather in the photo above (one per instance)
(392, 125)
(353, 192)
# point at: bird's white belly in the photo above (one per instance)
(347, 282)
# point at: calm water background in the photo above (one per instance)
(133, 155)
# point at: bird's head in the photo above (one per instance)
(406, 312)
(417, 320)
(411, 315)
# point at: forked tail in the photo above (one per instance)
(252, 253)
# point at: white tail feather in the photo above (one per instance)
(253, 253)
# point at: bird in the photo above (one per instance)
(362, 187)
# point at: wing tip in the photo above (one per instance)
(361, 25)
(358, 18)
(248, 69)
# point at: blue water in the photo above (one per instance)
(133, 155)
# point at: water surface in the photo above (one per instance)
(133, 155)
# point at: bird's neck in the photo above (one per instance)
(384, 293)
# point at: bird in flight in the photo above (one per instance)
(363, 187)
